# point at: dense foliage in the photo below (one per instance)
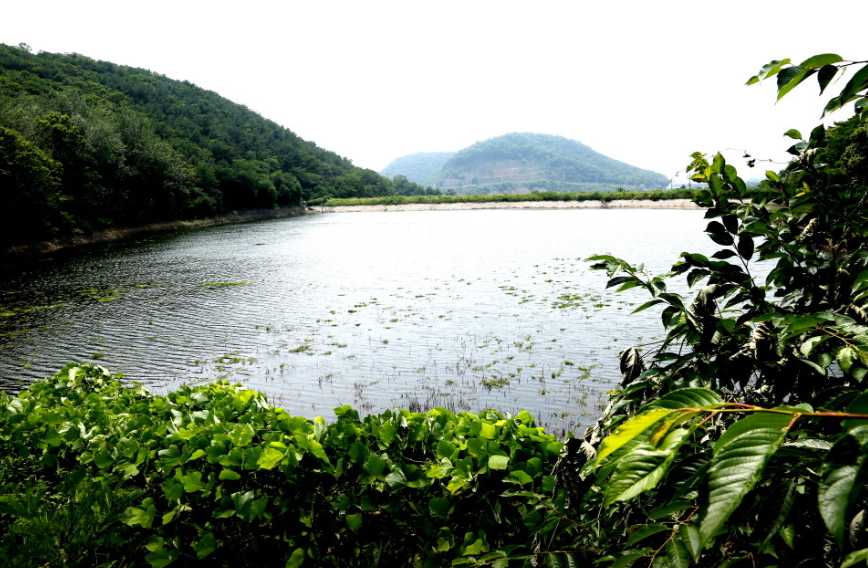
(742, 436)
(87, 144)
(738, 439)
(95, 472)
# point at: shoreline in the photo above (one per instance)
(120, 233)
(590, 204)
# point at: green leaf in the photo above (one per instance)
(790, 78)
(269, 458)
(497, 462)
(682, 548)
(354, 521)
(825, 76)
(808, 346)
(854, 558)
(820, 60)
(192, 481)
(835, 495)
(142, 516)
(488, 431)
(375, 465)
(644, 532)
(647, 305)
(846, 357)
(518, 476)
(643, 467)
(738, 460)
(229, 475)
(296, 559)
(745, 247)
(439, 506)
(627, 431)
(793, 133)
(691, 397)
(858, 82)
(205, 545)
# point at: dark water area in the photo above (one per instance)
(461, 309)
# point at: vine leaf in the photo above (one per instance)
(738, 460)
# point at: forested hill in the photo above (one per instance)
(86, 144)
(519, 162)
(423, 168)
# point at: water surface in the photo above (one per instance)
(461, 309)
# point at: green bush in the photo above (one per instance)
(96, 471)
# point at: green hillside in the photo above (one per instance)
(530, 161)
(522, 162)
(422, 168)
(86, 145)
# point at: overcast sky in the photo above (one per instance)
(643, 82)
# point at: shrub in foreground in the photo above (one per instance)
(95, 472)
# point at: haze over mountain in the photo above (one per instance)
(422, 168)
(519, 162)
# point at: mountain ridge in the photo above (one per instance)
(523, 161)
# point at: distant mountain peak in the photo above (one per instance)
(518, 162)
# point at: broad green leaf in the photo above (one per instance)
(644, 532)
(858, 82)
(142, 516)
(738, 460)
(789, 78)
(846, 357)
(296, 559)
(519, 476)
(836, 493)
(642, 468)
(497, 462)
(229, 475)
(269, 458)
(808, 346)
(690, 397)
(192, 481)
(820, 60)
(647, 305)
(627, 431)
(375, 465)
(857, 558)
(354, 521)
(681, 550)
(793, 133)
(488, 431)
(205, 545)
(825, 76)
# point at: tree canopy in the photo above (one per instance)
(87, 144)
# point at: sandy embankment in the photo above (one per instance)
(614, 204)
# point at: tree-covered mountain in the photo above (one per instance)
(87, 144)
(423, 168)
(519, 162)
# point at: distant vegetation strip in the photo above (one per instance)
(512, 197)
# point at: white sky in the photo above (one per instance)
(643, 82)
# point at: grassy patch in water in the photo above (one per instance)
(103, 295)
(226, 283)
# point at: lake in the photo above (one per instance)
(461, 309)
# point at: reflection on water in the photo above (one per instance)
(461, 309)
